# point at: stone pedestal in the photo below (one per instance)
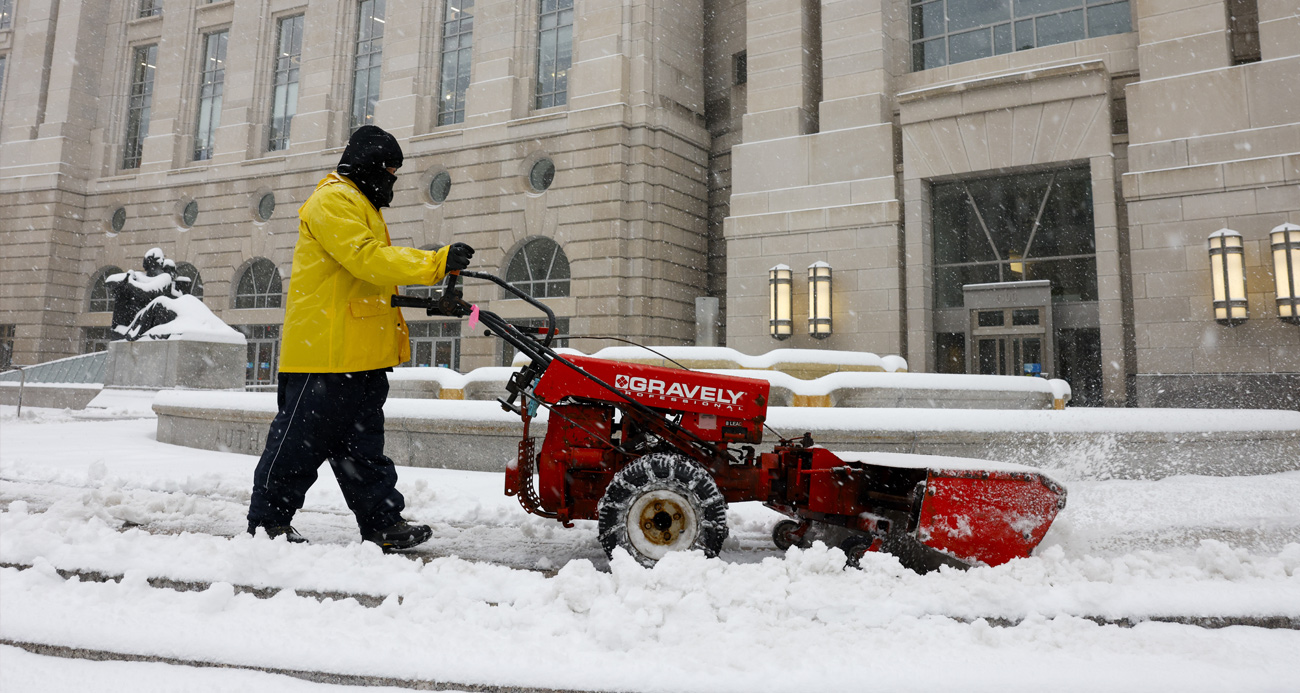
(167, 364)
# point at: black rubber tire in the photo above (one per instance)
(782, 535)
(678, 480)
(854, 548)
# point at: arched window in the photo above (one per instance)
(539, 268)
(194, 286)
(259, 286)
(101, 301)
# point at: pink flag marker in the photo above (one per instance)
(473, 317)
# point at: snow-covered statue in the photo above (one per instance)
(156, 304)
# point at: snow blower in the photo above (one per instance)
(655, 454)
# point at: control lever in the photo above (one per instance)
(451, 303)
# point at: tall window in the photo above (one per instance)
(150, 8)
(284, 99)
(263, 365)
(554, 52)
(952, 31)
(101, 301)
(144, 61)
(1013, 228)
(540, 268)
(211, 84)
(366, 69)
(6, 347)
(435, 343)
(1243, 31)
(259, 286)
(457, 46)
(6, 13)
(96, 339)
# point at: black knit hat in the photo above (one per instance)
(370, 152)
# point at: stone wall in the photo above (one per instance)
(477, 445)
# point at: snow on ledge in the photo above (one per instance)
(766, 361)
(792, 421)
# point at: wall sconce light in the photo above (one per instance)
(1286, 271)
(819, 300)
(1228, 277)
(780, 321)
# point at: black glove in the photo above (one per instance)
(458, 257)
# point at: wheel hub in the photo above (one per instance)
(660, 521)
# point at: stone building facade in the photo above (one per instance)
(997, 186)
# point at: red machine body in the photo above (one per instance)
(931, 511)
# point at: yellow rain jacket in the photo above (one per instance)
(339, 319)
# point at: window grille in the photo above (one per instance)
(259, 286)
(540, 268)
(211, 85)
(7, 333)
(554, 52)
(4, 60)
(101, 301)
(369, 60)
(1014, 228)
(263, 366)
(150, 8)
(284, 97)
(945, 32)
(457, 52)
(6, 13)
(144, 61)
(96, 339)
(435, 344)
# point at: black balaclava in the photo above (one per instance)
(366, 159)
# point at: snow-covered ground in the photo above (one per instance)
(501, 598)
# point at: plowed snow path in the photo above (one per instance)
(502, 598)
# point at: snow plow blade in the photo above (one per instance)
(960, 512)
(987, 516)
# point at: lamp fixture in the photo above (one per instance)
(1286, 271)
(1228, 277)
(780, 321)
(819, 300)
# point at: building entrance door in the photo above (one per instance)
(1009, 355)
(1010, 328)
(1009, 341)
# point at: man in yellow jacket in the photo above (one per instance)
(341, 336)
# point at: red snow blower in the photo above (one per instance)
(655, 454)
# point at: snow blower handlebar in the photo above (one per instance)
(452, 304)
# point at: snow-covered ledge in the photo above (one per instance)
(1075, 443)
(799, 378)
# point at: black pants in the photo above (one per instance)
(334, 416)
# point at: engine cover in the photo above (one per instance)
(718, 408)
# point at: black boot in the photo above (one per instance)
(289, 533)
(400, 536)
